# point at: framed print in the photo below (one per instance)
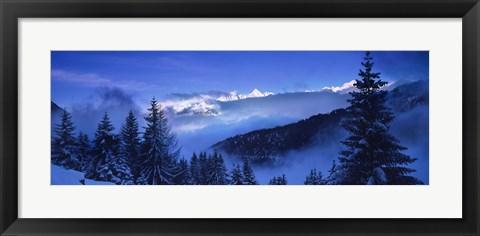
(261, 118)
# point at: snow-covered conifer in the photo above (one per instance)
(107, 162)
(248, 175)
(217, 171)
(160, 148)
(314, 178)
(130, 142)
(372, 154)
(183, 176)
(83, 150)
(194, 170)
(63, 144)
(236, 175)
(280, 180)
(204, 166)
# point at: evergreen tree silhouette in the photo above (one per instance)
(372, 154)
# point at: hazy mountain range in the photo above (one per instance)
(265, 145)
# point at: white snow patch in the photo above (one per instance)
(62, 176)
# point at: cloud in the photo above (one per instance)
(115, 97)
(188, 104)
(90, 79)
(179, 62)
(192, 106)
(191, 112)
(206, 104)
(94, 80)
(349, 86)
(195, 113)
(183, 63)
(115, 101)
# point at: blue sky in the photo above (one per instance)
(78, 74)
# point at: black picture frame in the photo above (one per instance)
(12, 10)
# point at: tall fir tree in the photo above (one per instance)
(83, 150)
(194, 170)
(236, 175)
(314, 178)
(248, 175)
(218, 171)
(160, 148)
(130, 142)
(63, 144)
(372, 154)
(107, 162)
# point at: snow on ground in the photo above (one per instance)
(62, 176)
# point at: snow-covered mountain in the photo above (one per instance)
(207, 104)
(344, 88)
(210, 104)
(201, 105)
(233, 96)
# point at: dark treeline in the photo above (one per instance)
(126, 157)
(131, 157)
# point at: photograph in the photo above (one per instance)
(239, 118)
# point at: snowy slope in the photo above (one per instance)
(62, 176)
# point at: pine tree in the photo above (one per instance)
(372, 155)
(119, 170)
(183, 177)
(83, 150)
(248, 175)
(130, 142)
(332, 174)
(314, 178)
(217, 171)
(194, 170)
(332, 169)
(204, 164)
(108, 164)
(160, 148)
(236, 175)
(280, 180)
(63, 144)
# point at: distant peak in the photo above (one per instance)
(256, 93)
(232, 96)
(344, 88)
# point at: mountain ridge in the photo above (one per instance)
(268, 144)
